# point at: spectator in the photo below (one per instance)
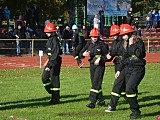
(155, 18)
(159, 18)
(130, 16)
(137, 30)
(19, 35)
(1, 15)
(66, 34)
(101, 13)
(59, 33)
(47, 21)
(114, 21)
(96, 22)
(149, 20)
(85, 32)
(3, 33)
(7, 14)
(77, 45)
(28, 35)
(11, 33)
(28, 16)
(20, 21)
(35, 15)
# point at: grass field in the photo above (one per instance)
(22, 95)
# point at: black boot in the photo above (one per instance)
(55, 98)
(135, 114)
(91, 105)
(54, 102)
(101, 103)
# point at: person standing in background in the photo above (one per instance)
(7, 15)
(102, 20)
(35, 16)
(20, 21)
(28, 35)
(77, 45)
(155, 18)
(28, 16)
(159, 19)
(130, 16)
(96, 23)
(66, 35)
(1, 15)
(19, 35)
(47, 21)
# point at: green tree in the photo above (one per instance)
(145, 6)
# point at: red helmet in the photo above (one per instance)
(125, 29)
(50, 27)
(94, 33)
(114, 30)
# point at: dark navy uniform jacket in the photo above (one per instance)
(134, 55)
(98, 49)
(116, 50)
(53, 49)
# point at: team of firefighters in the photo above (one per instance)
(127, 52)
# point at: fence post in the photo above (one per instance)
(148, 45)
(32, 47)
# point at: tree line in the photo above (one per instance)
(58, 8)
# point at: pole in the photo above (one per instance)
(148, 45)
(32, 47)
(40, 62)
(76, 12)
(84, 11)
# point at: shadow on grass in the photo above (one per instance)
(38, 102)
(144, 100)
(84, 113)
(149, 98)
(151, 114)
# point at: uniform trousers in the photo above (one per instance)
(51, 79)
(96, 75)
(133, 77)
(118, 88)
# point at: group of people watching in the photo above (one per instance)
(30, 16)
(153, 19)
(66, 36)
(24, 27)
(21, 31)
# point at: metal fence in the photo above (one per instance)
(150, 43)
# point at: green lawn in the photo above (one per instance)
(22, 95)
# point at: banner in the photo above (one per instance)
(110, 7)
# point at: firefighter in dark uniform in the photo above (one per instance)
(96, 49)
(134, 64)
(77, 45)
(51, 72)
(115, 54)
